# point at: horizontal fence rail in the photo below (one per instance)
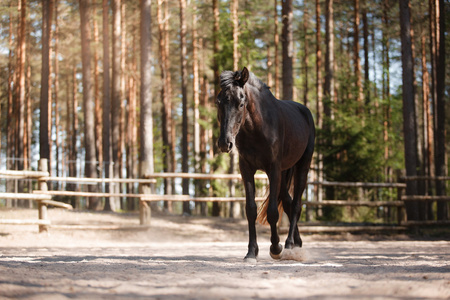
(354, 203)
(23, 174)
(97, 180)
(359, 184)
(425, 198)
(43, 196)
(431, 178)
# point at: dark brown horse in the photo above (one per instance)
(274, 136)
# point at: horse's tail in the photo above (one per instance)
(262, 212)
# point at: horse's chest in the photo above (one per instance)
(255, 151)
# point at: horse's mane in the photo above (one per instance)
(227, 80)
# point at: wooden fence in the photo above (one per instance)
(43, 196)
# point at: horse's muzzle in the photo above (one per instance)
(225, 145)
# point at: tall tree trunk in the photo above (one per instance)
(185, 141)
(29, 119)
(319, 92)
(44, 144)
(306, 53)
(166, 108)
(90, 168)
(386, 86)
(26, 155)
(66, 142)
(329, 83)
(170, 122)
(234, 207)
(440, 161)
(74, 133)
(69, 131)
(357, 60)
(204, 135)
(215, 7)
(131, 130)
(106, 133)
(10, 113)
(10, 121)
(15, 106)
(329, 58)
(50, 94)
(196, 92)
(276, 42)
(366, 85)
(28, 128)
(115, 103)
(98, 106)
(420, 167)
(216, 206)
(288, 50)
(433, 13)
(374, 57)
(235, 24)
(56, 89)
(123, 100)
(408, 108)
(433, 50)
(21, 81)
(146, 127)
(427, 126)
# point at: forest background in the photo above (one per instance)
(126, 88)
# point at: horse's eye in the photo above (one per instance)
(241, 105)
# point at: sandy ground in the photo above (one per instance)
(201, 258)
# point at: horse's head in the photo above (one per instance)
(231, 105)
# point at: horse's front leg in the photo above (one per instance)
(272, 211)
(248, 177)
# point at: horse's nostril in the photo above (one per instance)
(224, 146)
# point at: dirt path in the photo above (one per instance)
(192, 258)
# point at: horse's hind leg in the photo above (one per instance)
(286, 199)
(300, 177)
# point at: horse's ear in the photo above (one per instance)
(241, 77)
(244, 76)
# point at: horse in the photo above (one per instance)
(271, 135)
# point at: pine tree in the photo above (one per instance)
(408, 109)
(288, 51)
(90, 168)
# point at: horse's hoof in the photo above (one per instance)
(275, 256)
(250, 260)
(289, 245)
(277, 253)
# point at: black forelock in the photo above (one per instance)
(227, 80)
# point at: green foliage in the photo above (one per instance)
(351, 149)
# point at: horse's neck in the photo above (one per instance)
(256, 107)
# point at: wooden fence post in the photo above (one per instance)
(401, 211)
(145, 211)
(43, 166)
